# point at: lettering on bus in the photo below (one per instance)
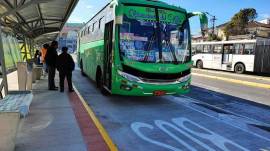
(142, 13)
(170, 16)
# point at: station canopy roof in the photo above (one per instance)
(40, 20)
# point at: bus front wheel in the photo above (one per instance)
(239, 68)
(199, 64)
(99, 82)
(81, 66)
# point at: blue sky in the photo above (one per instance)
(222, 9)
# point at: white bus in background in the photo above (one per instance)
(238, 56)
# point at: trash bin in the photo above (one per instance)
(29, 80)
(22, 75)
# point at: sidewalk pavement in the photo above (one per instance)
(51, 124)
(57, 122)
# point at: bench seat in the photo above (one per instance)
(17, 101)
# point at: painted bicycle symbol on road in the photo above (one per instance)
(183, 127)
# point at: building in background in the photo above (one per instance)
(265, 21)
(68, 36)
(255, 30)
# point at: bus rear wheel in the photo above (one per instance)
(239, 68)
(199, 64)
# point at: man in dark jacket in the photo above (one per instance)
(50, 58)
(65, 66)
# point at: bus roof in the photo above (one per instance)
(225, 42)
(152, 3)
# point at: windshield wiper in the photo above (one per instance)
(168, 44)
(149, 46)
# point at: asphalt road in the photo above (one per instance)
(215, 115)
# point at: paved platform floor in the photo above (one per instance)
(51, 124)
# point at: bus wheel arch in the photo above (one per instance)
(199, 64)
(239, 68)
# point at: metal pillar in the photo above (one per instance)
(4, 83)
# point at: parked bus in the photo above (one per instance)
(139, 48)
(238, 56)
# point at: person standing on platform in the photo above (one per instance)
(43, 54)
(65, 66)
(50, 59)
(37, 57)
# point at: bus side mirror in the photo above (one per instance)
(113, 3)
(203, 21)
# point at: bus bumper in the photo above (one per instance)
(124, 87)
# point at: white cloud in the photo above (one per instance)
(75, 20)
(89, 6)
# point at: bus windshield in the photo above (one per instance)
(144, 37)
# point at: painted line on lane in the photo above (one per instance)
(98, 124)
(189, 100)
(232, 74)
(247, 83)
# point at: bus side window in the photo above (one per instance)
(199, 49)
(102, 24)
(228, 49)
(88, 30)
(207, 49)
(239, 49)
(193, 50)
(84, 33)
(93, 27)
(217, 49)
(249, 49)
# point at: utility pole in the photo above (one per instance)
(213, 20)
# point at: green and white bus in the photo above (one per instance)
(138, 48)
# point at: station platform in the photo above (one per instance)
(58, 122)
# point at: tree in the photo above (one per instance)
(213, 37)
(239, 22)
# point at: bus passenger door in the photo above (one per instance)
(227, 57)
(217, 56)
(107, 64)
(207, 56)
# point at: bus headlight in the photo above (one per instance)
(129, 76)
(185, 78)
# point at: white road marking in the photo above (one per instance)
(161, 124)
(189, 99)
(215, 138)
(178, 124)
(233, 74)
(136, 128)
